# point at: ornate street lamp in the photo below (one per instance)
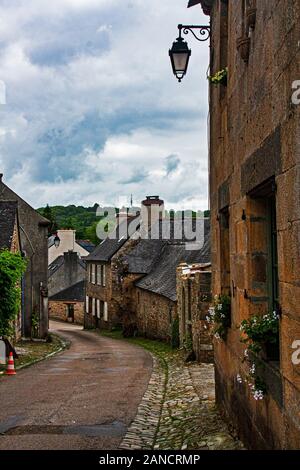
(180, 53)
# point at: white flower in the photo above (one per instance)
(252, 369)
(219, 307)
(246, 354)
(217, 336)
(239, 379)
(258, 395)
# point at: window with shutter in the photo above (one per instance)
(105, 312)
(103, 275)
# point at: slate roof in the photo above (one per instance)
(108, 247)
(86, 244)
(162, 278)
(59, 262)
(72, 293)
(187, 230)
(142, 257)
(8, 214)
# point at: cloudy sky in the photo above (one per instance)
(93, 112)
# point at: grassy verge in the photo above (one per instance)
(34, 351)
(159, 348)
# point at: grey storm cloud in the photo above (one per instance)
(84, 119)
(137, 177)
(172, 163)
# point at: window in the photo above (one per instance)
(93, 307)
(264, 242)
(93, 273)
(98, 307)
(225, 251)
(101, 308)
(105, 316)
(87, 304)
(99, 275)
(103, 275)
(273, 280)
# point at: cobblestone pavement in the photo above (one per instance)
(178, 410)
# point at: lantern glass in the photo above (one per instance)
(180, 55)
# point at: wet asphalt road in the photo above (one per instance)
(83, 398)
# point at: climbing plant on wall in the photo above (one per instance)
(12, 267)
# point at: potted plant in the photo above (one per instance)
(220, 78)
(261, 334)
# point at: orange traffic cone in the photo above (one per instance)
(11, 365)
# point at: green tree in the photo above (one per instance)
(48, 214)
(12, 267)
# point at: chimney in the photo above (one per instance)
(70, 267)
(1, 176)
(152, 210)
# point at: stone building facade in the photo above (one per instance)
(68, 304)
(154, 315)
(65, 271)
(108, 294)
(255, 210)
(193, 301)
(34, 240)
(10, 239)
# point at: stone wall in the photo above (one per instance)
(71, 272)
(154, 315)
(117, 292)
(255, 153)
(34, 239)
(193, 301)
(58, 311)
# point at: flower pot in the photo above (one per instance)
(250, 18)
(243, 46)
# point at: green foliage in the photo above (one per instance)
(82, 219)
(12, 267)
(220, 78)
(188, 343)
(175, 342)
(260, 330)
(48, 214)
(219, 315)
(35, 321)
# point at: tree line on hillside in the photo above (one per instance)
(85, 219)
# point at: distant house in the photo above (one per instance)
(156, 292)
(33, 235)
(132, 282)
(66, 287)
(10, 240)
(103, 304)
(68, 304)
(67, 243)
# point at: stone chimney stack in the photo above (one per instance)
(152, 210)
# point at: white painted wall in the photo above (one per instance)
(67, 243)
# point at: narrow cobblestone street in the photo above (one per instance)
(178, 410)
